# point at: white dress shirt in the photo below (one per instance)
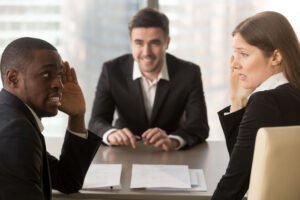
(271, 83)
(41, 127)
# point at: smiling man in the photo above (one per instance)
(157, 96)
(37, 83)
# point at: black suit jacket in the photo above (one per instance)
(183, 93)
(277, 107)
(27, 171)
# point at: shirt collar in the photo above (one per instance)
(272, 82)
(163, 74)
(37, 119)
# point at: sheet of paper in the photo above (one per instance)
(160, 176)
(103, 176)
(197, 183)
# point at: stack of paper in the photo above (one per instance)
(150, 177)
(103, 176)
(167, 177)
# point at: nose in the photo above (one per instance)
(57, 83)
(147, 49)
(235, 63)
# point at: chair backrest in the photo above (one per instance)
(275, 173)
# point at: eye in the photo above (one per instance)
(46, 74)
(138, 43)
(243, 54)
(156, 42)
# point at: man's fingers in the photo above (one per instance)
(130, 137)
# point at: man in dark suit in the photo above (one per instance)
(157, 96)
(36, 84)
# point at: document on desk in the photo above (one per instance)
(160, 176)
(197, 183)
(103, 176)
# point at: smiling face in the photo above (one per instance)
(251, 64)
(40, 84)
(148, 48)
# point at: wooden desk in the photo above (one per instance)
(212, 157)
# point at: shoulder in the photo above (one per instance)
(175, 61)
(280, 93)
(271, 103)
(263, 99)
(15, 119)
(14, 124)
(272, 107)
(181, 68)
(119, 66)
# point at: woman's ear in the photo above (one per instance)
(276, 58)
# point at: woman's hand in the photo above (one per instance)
(238, 94)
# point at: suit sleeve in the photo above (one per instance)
(20, 161)
(261, 111)
(69, 171)
(195, 128)
(230, 125)
(103, 107)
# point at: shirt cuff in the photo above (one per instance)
(82, 135)
(105, 136)
(229, 112)
(226, 113)
(181, 141)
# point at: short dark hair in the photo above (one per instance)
(269, 31)
(149, 17)
(20, 51)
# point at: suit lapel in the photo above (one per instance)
(136, 94)
(160, 97)
(162, 91)
(46, 178)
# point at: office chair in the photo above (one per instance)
(275, 173)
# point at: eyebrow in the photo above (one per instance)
(240, 48)
(150, 41)
(52, 66)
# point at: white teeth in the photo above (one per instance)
(55, 100)
(147, 58)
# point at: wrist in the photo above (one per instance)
(76, 123)
(174, 143)
(109, 135)
(238, 104)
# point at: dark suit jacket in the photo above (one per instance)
(27, 171)
(183, 93)
(277, 107)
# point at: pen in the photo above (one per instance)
(137, 137)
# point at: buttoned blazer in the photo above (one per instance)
(181, 96)
(27, 170)
(276, 107)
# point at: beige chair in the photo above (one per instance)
(275, 171)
